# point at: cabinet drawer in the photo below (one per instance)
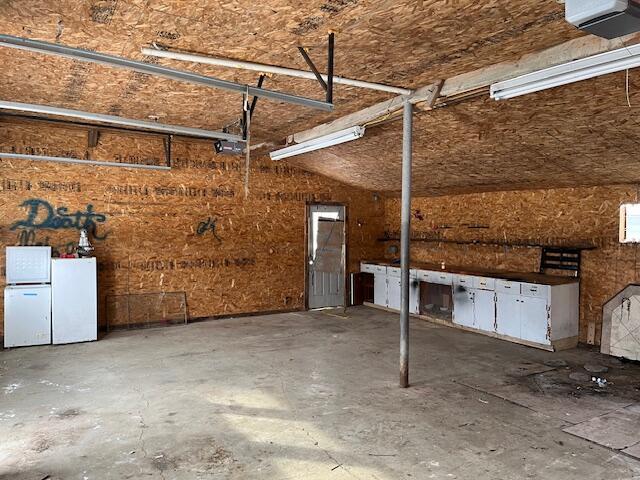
(534, 290)
(484, 283)
(423, 275)
(442, 278)
(367, 268)
(507, 286)
(393, 271)
(371, 268)
(464, 280)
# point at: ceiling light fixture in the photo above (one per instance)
(576, 71)
(329, 140)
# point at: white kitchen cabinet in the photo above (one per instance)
(534, 319)
(463, 307)
(380, 289)
(508, 314)
(393, 292)
(538, 314)
(484, 310)
(440, 278)
(414, 292)
(379, 282)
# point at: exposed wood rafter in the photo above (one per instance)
(423, 98)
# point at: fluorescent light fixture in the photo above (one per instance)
(329, 140)
(576, 71)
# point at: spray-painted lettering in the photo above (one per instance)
(41, 214)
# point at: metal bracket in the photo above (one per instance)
(330, 50)
(93, 135)
(313, 68)
(247, 111)
(167, 149)
(328, 85)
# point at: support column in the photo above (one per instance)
(405, 242)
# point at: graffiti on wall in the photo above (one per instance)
(42, 215)
(209, 225)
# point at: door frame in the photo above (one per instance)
(345, 253)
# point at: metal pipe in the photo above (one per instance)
(46, 158)
(330, 76)
(157, 70)
(265, 68)
(114, 120)
(405, 242)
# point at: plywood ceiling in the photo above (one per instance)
(582, 134)
(407, 43)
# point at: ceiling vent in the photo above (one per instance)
(604, 18)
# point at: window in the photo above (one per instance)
(315, 219)
(630, 223)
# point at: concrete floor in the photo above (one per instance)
(302, 396)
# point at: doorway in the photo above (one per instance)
(326, 256)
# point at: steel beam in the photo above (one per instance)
(157, 70)
(114, 120)
(405, 242)
(77, 161)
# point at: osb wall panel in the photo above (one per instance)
(190, 229)
(583, 134)
(404, 42)
(564, 217)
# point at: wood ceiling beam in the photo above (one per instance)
(466, 83)
(423, 98)
(575, 49)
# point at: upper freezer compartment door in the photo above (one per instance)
(28, 264)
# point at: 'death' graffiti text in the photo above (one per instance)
(40, 214)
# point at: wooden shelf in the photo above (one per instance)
(491, 243)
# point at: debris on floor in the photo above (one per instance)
(596, 368)
(580, 376)
(602, 382)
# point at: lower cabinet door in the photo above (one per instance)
(380, 290)
(414, 295)
(393, 292)
(535, 320)
(508, 314)
(463, 308)
(485, 310)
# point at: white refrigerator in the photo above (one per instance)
(74, 300)
(27, 297)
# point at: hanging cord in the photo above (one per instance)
(627, 89)
(247, 149)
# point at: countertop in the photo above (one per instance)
(536, 278)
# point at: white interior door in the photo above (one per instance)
(326, 255)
